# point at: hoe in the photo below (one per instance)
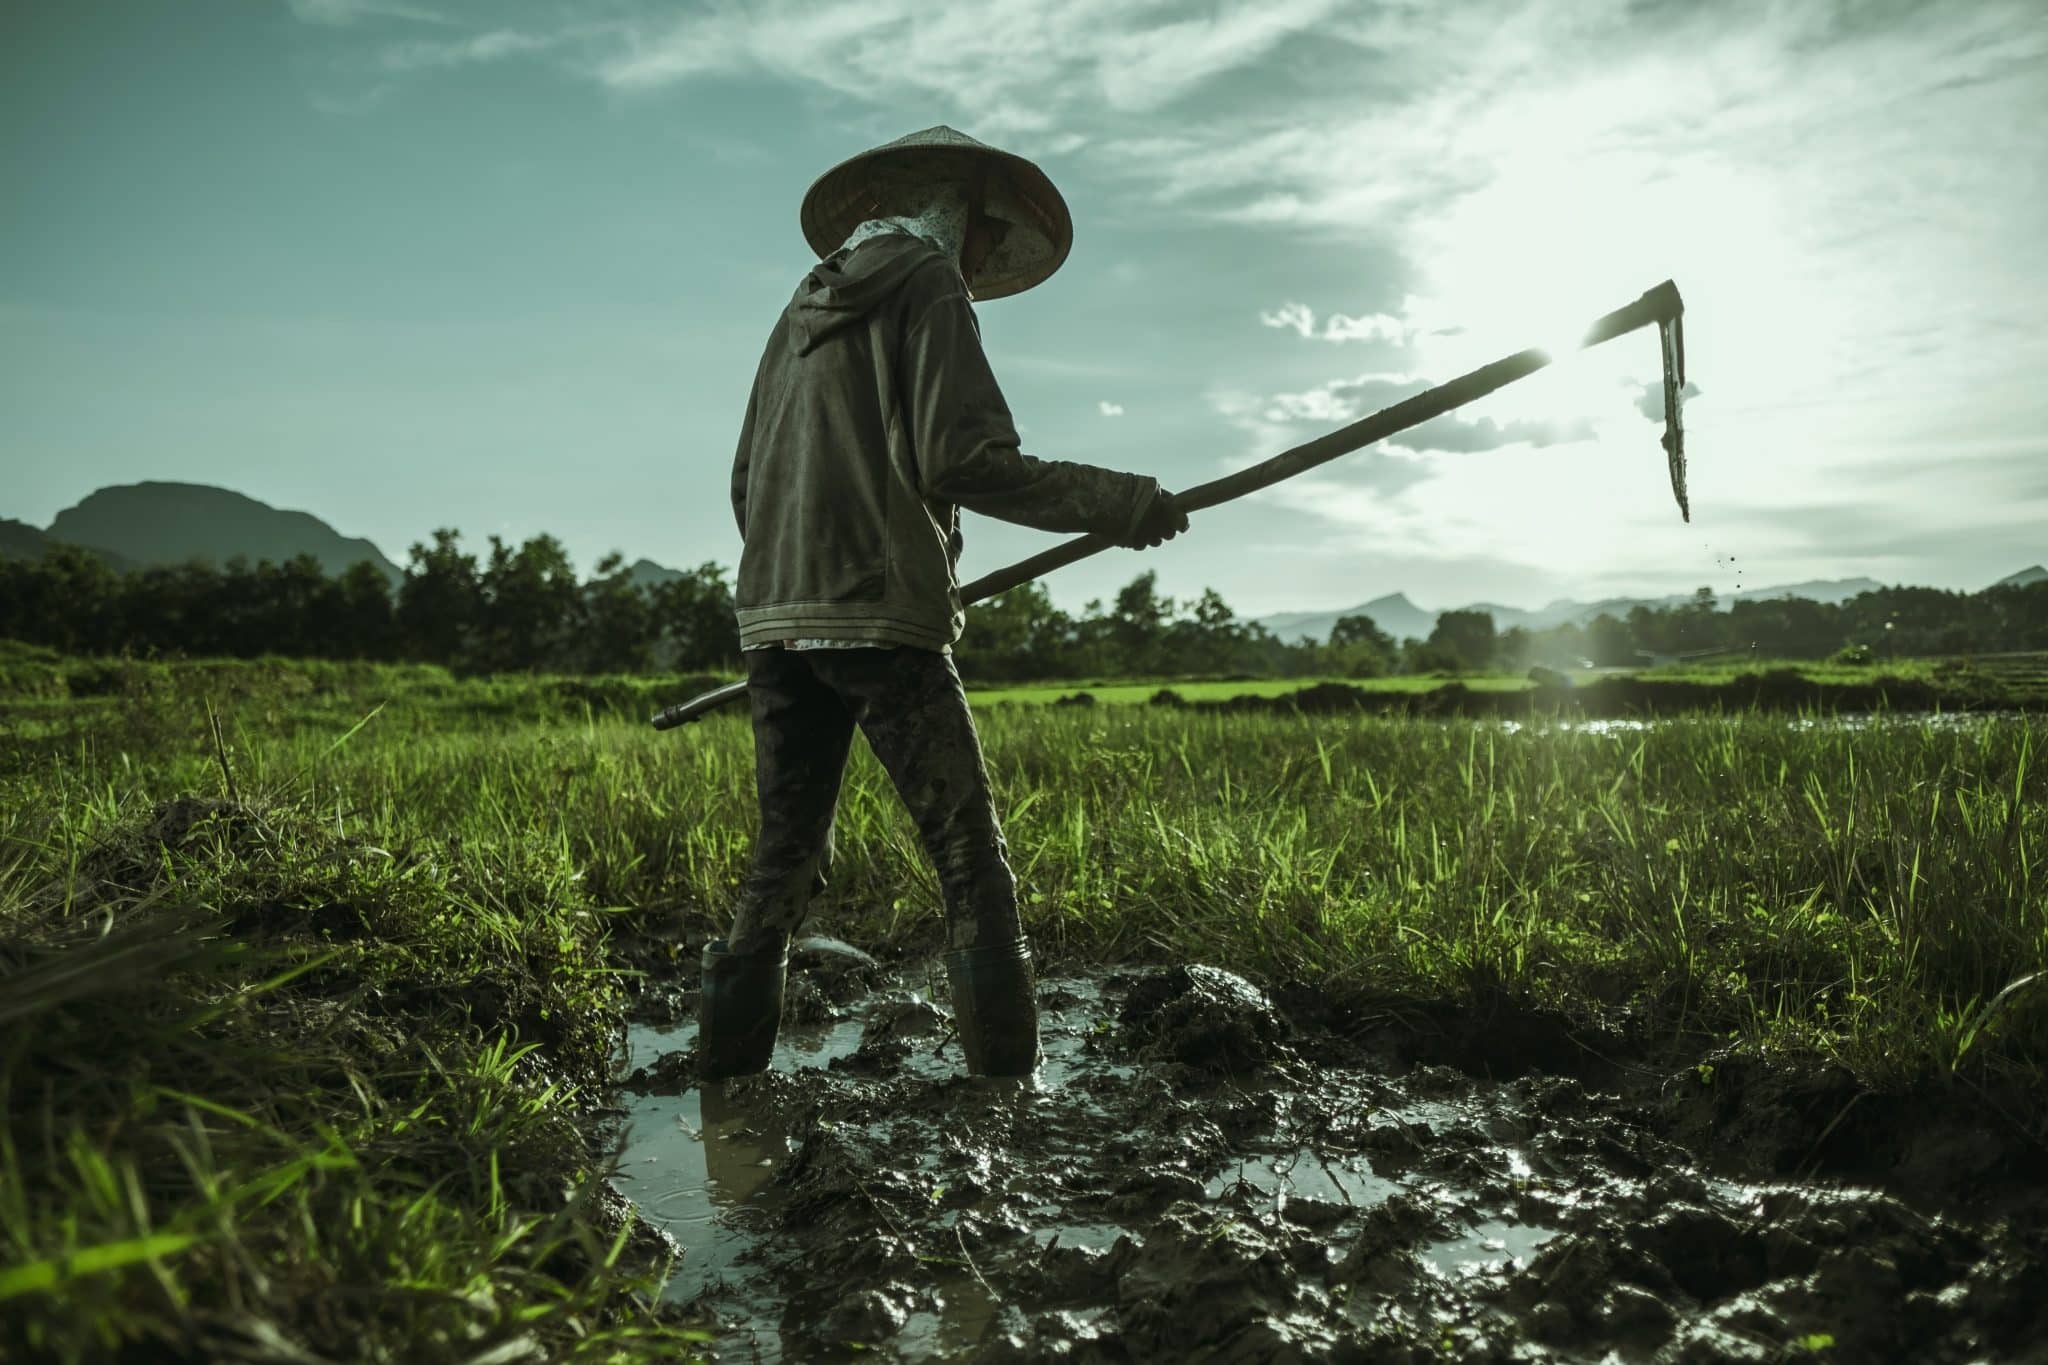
(1660, 305)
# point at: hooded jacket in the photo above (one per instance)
(873, 420)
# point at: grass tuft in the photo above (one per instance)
(277, 1084)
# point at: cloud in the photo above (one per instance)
(1057, 71)
(1023, 67)
(1372, 327)
(1109, 409)
(1338, 326)
(727, 147)
(1464, 436)
(1650, 402)
(1354, 488)
(341, 13)
(1343, 401)
(1299, 316)
(1500, 174)
(2017, 467)
(497, 45)
(1871, 534)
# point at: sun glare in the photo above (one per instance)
(1570, 219)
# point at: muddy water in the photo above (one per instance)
(1191, 1177)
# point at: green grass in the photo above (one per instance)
(282, 1069)
(1207, 689)
(1819, 670)
(36, 681)
(306, 1052)
(2015, 679)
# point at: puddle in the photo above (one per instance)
(1493, 1245)
(1188, 1177)
(1304, 1174)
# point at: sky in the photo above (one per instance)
(508, 266)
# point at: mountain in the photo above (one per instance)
(1401, 618)
(172, 523)
(19, 540)
(645, 573)
(1829, 590)
(2025, 578)
(1394, 614)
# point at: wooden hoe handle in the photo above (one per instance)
(1660, 305)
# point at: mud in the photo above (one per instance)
(1200, 1174)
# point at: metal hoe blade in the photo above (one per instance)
(1671, 332)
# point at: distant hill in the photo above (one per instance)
(1820, 590)
(19, 540)
(645, 573)
(1401, 618)
(2025, 578)
(173, 523)
(1829, 590)
(1394, 614)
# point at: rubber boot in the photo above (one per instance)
(739, 1010)
(995, 1007)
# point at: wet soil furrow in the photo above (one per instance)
(1193, 1176)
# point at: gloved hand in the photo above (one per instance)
(1162, 521)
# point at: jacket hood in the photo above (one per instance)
(846, 286)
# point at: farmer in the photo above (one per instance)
(873, 420)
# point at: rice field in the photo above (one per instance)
(311, 977)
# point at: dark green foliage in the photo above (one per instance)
(522, 609)
(617, 621)
(1360, 649)
(1359, 630)
(440, 604)
(1137, 622)
(531, 615)
(1011, 633)
(1466, 637)
(69, 599)
(692, 615)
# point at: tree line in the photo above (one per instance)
(512, 609)
(1022, 635)
(524, 608)
(1887, 623)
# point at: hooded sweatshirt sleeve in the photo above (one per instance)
(965, 441)
(742, 461)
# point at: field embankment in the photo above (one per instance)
(2007, 683)
(315, 993)
(31, 676)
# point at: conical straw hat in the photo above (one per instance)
(886, 180)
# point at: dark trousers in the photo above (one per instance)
(910, 705)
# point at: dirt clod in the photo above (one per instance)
(1202, 1017)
